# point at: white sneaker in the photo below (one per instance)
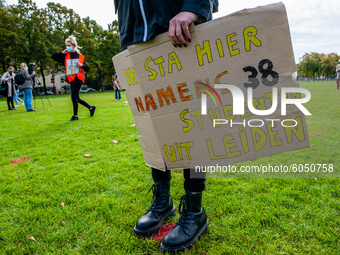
(16, 105)
(23, 103)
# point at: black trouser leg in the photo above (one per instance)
(160, 176)
(12, 101)
(190, 184)
(74, 97)
(82, 102)
(8, 103)
(193, 184)
(75, 88)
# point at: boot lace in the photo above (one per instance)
(157, 202)
(184, 212)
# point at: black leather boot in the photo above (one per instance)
(190, 226)
(160, 210)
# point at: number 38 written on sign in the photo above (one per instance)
(266, 72)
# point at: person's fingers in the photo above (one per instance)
(187, 32)
(172, 33)
(173, 42)
(179, 34)
(171, 28)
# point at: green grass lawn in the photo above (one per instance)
(104, 195)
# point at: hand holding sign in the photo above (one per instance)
(72, 66)
(251, 53)
(78, 64)
(181, 23)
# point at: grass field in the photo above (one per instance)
(104, 195)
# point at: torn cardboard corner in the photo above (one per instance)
(164, 87)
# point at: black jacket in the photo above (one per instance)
(157, 14)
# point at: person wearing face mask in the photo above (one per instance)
(116, 87)
(9, 77)
(76, 80)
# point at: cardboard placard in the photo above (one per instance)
(164, 87)
(72, 68)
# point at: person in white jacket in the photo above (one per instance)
(9, 78)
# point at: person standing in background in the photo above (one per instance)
(17, 99)
(116, 87)
(9, 78)
(78, 79)
(27, 87)
(338, 75)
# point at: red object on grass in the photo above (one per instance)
(316, 133)
(163, 231)
(18, 160)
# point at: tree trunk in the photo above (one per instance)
(101, 80)
(100, 77)
(3, 62)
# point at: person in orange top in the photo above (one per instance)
(75, 80)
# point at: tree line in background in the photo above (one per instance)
(28, 34)
(313, 65)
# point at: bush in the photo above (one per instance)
(108, 86)
(66, 87)
(84, 87)
(93, 83)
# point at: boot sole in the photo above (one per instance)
(172, 250)
(92, 113)
(154, 230)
